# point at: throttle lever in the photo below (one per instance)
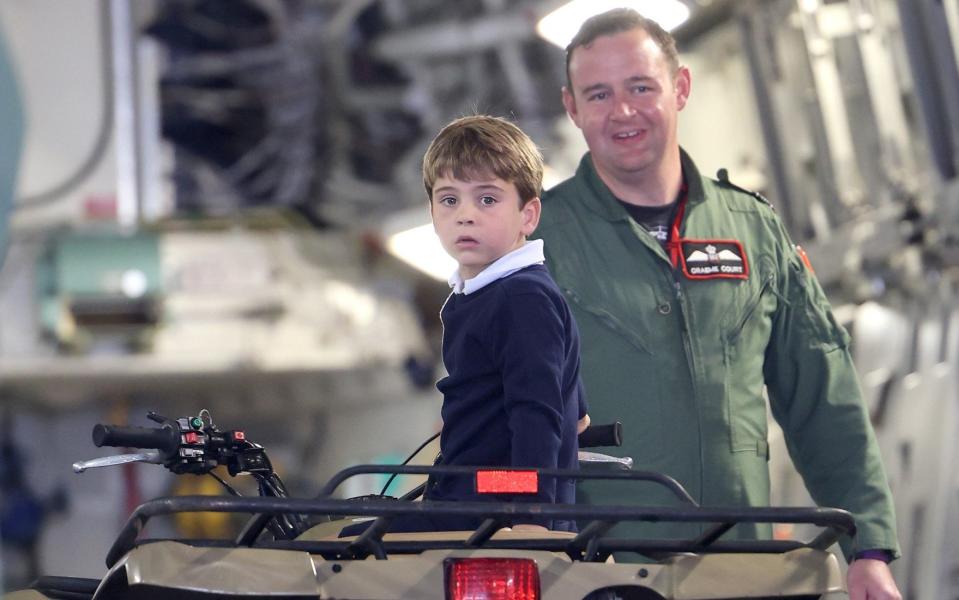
(158, 418)
(147, 456)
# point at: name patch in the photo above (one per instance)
(714, 259)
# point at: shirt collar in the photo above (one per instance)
(609, 207)
(530, 253)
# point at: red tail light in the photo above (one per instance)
(507, 482)
(491, 579)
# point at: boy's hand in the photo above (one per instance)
(582, 424)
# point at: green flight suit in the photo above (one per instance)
(683, 362)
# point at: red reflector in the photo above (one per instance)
(190, 437)
(491, 579)
(238, 436)
(507, 482)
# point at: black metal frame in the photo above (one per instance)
(589, 545)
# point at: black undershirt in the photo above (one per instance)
(657, 220)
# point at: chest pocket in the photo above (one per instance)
(753, 301)
(745, 337)
(608, 320)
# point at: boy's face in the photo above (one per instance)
(481, 220)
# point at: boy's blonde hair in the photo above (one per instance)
(481, 146)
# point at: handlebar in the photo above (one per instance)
(184, 445)
(162, 438)
(195, 445)
(602, 435)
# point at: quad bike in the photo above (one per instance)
(290, 547)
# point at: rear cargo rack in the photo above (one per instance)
(590, 544)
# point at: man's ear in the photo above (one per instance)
(531, 212)
(569, 103)
(683, 85)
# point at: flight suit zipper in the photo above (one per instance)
(674, 257)
(691, 365)
(684, 326)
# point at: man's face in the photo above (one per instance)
(480, 220)
(625, 98)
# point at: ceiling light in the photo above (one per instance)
(417, 245)
(559, 26)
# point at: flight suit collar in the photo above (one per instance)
(609, 208)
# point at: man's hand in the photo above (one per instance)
(870, 579)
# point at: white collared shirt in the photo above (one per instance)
(530, 253)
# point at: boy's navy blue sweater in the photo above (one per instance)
(513, 394)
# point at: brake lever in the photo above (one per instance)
(147, 456)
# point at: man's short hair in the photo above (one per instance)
(619, 20)
(482, 146)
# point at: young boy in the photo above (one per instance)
(513, 396)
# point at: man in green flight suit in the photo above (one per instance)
(691, 299)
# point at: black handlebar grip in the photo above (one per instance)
(602, 435)
(161, 438)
